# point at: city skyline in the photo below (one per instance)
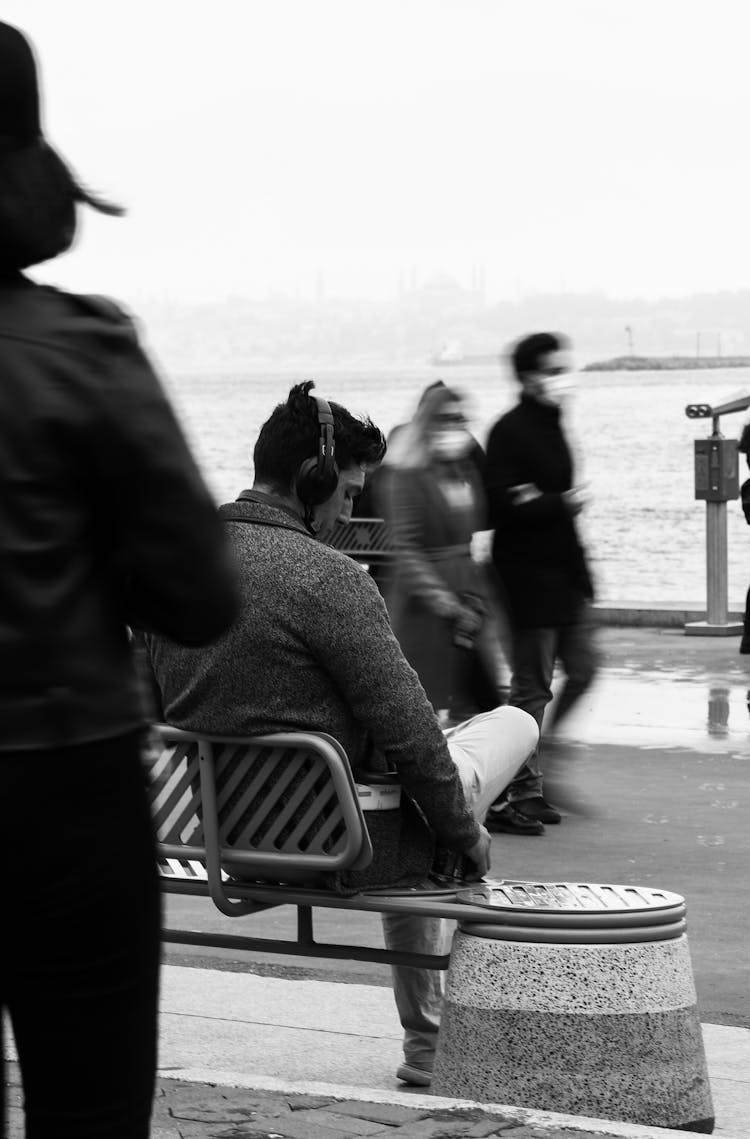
(567, 146)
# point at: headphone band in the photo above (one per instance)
(326, 453)
(317, 476)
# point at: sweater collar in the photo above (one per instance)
(258, 506)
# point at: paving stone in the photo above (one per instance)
(391, 1114)
(189, 1090)
(184, 1110)
(486, 1127)
(237, 1107)
(190, 1093)
(249, 1098)
(190, 1130)
(431, 1128)
(292, 1127)
(161, 1113)
(220, 1114)
(250, 1132)
(521, 1131)
(345, 1125)
(260, 1104)
(301, 1102)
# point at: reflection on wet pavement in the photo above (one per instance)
(718, 712)
(664, 709)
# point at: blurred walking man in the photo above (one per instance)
(533, 503)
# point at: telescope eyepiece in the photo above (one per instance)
(698, 411)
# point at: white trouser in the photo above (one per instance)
(488, 750)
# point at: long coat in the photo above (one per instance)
(433, 511)
(536, 550)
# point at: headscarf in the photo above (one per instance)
(408, 444)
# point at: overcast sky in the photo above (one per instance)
(289, 145)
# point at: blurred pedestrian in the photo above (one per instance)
(105, 523)
(533, 504)
(431, 494)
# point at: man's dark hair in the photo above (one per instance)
(527, 352)
(290, 435)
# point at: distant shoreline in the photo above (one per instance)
(666, 363)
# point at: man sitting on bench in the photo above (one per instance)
(313, 650)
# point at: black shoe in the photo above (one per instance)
(537, 808)
(508, 820)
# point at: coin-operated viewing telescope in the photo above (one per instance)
(716, 483)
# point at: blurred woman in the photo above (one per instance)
(105, 522)
(429, 490)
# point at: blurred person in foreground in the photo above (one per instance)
(105, 522)
(313, 650)
(533, 504)
(430, 492)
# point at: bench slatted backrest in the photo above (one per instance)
(366, 540)
(262, 807)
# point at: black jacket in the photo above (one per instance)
(104, 520)
(536, 549)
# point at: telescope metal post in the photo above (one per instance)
(716, 564)
(716, 482)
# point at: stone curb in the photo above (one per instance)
(544, 1123)
(659, 615)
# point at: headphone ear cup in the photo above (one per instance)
(313, 488)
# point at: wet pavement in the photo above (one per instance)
(661, 688)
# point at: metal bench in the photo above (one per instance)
(252, 823)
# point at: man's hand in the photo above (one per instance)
(523, 492)
(466, 627)
(480, 856)
(445, 605)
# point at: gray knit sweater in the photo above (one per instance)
(313, 649)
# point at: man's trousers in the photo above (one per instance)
(488, 750)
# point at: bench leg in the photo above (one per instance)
(305, 932)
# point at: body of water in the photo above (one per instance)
(633, 445)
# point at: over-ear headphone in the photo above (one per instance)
(317, 478)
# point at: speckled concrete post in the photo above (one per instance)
(604, 1030)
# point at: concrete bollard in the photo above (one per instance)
(582, 1001)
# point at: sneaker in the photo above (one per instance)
(539, 809)
(509, 820)
(414, 1075)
